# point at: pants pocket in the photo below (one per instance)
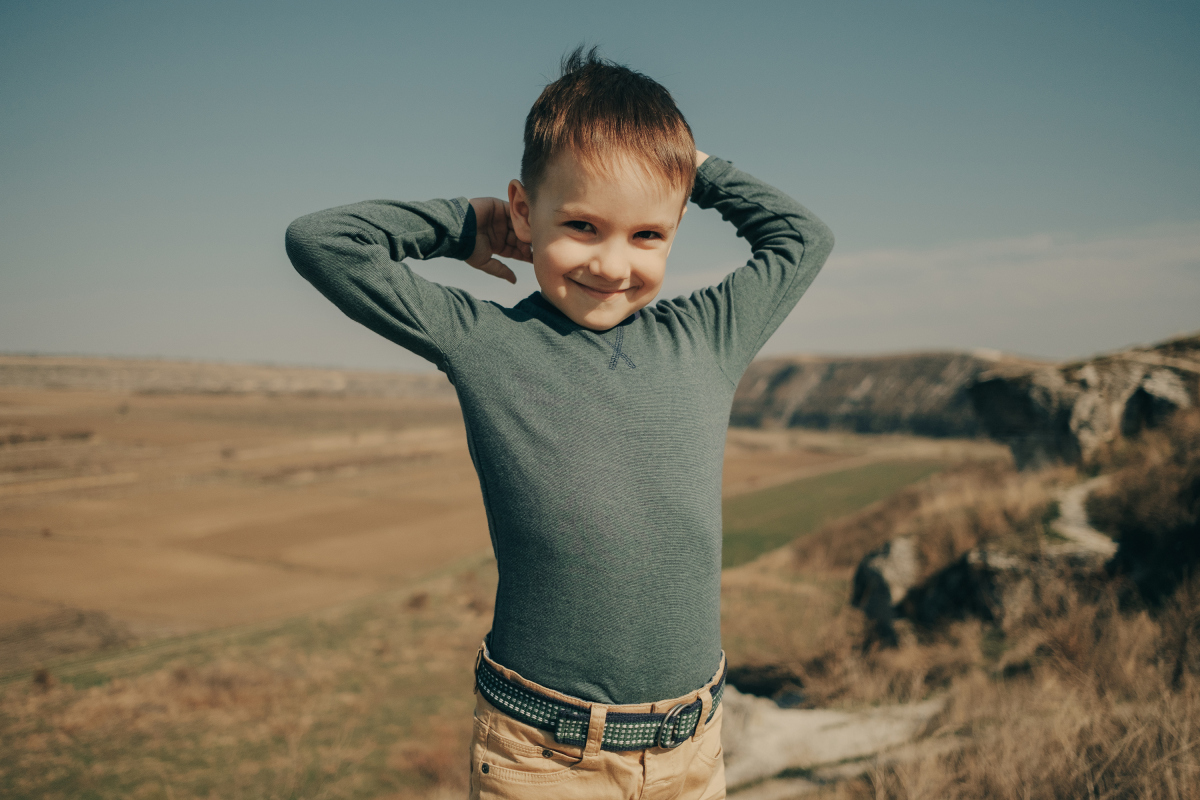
(710, 749)
(509, 758)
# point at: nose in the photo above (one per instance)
(609, 266)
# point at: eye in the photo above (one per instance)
(647, 235)
(580, 225)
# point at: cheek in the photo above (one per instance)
(558, 255)
(651, 270)
(549, 265)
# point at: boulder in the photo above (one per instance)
(987, 583)
(984, 583)
(882, 580)
(996, 586)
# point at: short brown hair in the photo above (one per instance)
(601, 110)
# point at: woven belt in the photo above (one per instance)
(569, 722)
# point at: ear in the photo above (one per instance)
(519, 211)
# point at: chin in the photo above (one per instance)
(603, 319)
(597, 322)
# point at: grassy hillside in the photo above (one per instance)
(1080, 690)
(770, 518)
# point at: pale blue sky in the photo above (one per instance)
(1021, 176)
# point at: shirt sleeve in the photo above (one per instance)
(354, 255)
(789, 245)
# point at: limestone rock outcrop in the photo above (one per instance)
(1050, 414)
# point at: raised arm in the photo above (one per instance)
(354, 256)
(789, 245)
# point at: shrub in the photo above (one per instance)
(1152, 508)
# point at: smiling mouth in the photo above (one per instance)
(600, 294)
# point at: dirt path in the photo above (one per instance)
(762, 740)
(1072, 522)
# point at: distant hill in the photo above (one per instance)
(1045, 412)
(148, 376)
(918, 393)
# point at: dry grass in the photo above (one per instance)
(372, 701)
(1152, 505)
(1099, 713)
(1083, 694)
(790, 606)
(973, 504)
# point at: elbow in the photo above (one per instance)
(301, 241)
(818, 239)
(826, 239)
(299, 234)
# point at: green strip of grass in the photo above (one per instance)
(764, 520)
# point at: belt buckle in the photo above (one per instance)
(668, 722)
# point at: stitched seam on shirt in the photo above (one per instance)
(617, 353)
(483, 487)
(448, 354)
(411, 306)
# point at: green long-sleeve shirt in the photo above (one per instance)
(599, 454)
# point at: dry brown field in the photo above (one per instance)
(177, 513)
(128, 514)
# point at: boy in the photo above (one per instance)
(596, 423)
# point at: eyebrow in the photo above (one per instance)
(572, 211)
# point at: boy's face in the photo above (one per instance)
(600, 243)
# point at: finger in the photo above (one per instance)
(498, 269)
(520, 252)
(515, 248)
(499, 227)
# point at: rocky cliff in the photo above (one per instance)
(919, 393)
(1067, 413)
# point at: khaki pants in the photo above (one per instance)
(514, 761)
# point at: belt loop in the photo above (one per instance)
(706, 704)
(708, 699)
(599, 713)
(478, 661)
